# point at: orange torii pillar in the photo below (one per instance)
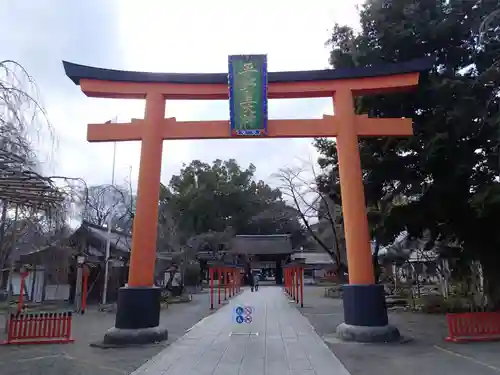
(138, 308)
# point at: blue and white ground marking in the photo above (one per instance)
(243, 314)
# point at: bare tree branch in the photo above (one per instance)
(297, 188)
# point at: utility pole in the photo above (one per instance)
(108, 237)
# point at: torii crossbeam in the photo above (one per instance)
(138, 305)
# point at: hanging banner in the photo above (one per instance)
(248, 95)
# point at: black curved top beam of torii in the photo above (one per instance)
(77, 72)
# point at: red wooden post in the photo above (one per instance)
(30, 325)
(25, 322)
(238, 285)
(284, 279)
(241, 277)
(219, 278)
(21, 291)
(46, 325)
(287, 282)
(235, 278)
(289, 276)
(235, 281)
(59, 324)
(231, 281)
(237, 275)
(301, 270)
(69, 320)
(297, 284)
(225, 274)
(12, 325)
(53, 324)
(36, 326)
(211, 281)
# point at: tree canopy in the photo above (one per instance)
(444, 178)
(216, 197)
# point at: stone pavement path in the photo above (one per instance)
(279, 341)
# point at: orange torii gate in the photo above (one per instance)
(137, 317)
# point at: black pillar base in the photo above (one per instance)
(137, 318)
(365, 315)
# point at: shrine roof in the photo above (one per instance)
(274, 244)
(76, 72)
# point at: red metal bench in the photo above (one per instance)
(474, 326)
(39, 328)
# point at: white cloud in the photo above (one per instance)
(189, 36)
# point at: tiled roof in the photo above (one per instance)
(261, 244)
(77, 72)
(120, 241)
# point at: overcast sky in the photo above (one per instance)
(165, 36)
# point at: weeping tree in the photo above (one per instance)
(33, 208)
(24, 123)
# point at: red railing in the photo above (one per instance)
(294, 282)
(474, 326)
(39, 328)
(231, 285)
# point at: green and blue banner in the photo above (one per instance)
(248, 95)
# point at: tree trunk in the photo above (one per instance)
(492, 282)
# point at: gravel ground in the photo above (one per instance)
(81, 359)
(426, 353)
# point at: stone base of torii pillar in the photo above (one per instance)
(365, 315)
(137, 318)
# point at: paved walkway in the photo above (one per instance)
(279, 341)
